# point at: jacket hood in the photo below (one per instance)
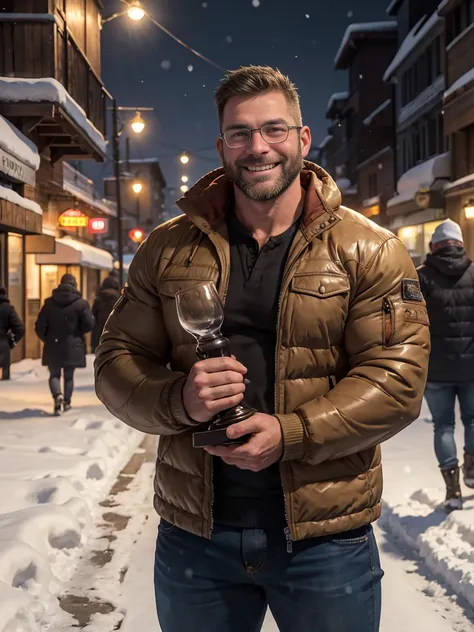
(209, 198)
(4, 299)
(106, 292)
(110, 283)
(65, 294)
(451, 261)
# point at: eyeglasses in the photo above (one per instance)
(272, 133)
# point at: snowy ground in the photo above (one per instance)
(77, 529)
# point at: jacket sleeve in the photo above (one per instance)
(132, 378)
(41, 325)
(388, 363)
(15, 325)
(86, 319)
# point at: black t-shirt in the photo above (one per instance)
(242, 498)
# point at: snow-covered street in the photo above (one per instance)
(77, 528)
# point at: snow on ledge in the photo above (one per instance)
(18, 90)
(417, 35)
(366, 27)
(370, 118)
(337, 96)
(12, 196)
(469, 179)
(13, 142)
(27, 17)
(460, 83)
(423, 175)
(325, 142)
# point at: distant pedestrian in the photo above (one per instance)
(107, 296)
(447, 282)
(12, 331)
(62, 322)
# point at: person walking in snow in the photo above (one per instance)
(12, 331)
(316, 299)
(447, 283)
(62, 322)
(107, 296)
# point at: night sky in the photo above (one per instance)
(142, 66)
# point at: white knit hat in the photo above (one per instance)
(446, 231)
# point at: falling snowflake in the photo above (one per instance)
(296, 56)
(165, 64)
(203, 85)
(380, 166)
(204, 5)
(361, 76)
(256, 3)
(407, 469)
(350, 14)
(228, 39)
(190, 68)
(307, 16)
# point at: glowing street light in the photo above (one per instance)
(138, 124)
(184, 158)
(184, 178)
(137, 187)
(184, 188)
(469, 210)
(135, 12)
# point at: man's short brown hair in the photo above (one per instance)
(252, 81)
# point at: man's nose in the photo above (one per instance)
(257, 144)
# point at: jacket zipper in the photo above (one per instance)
(388, 321)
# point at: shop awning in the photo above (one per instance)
(19, 213)
(72, 252)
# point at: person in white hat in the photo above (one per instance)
(447, 283)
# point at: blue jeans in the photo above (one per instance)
(225, 584)
(441, 398)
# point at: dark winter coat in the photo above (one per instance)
(447, 283)
(9, 322)
(107, 296)
(61, 325)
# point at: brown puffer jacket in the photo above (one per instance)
(351, 361)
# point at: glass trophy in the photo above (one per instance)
(201, 313)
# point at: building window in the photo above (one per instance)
(424, 71)
(373, 185)
(459, 19)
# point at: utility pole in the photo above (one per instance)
(118, 192)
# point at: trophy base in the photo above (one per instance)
(216, 433)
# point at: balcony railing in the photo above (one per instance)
(39, 45)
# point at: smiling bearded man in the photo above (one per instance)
(324, 314)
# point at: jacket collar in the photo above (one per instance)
(206, 203)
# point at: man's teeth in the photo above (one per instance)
(263, 168)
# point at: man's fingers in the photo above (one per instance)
(249, 426)
(218, 379)
(215, 365)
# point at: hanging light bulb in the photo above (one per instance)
(138, 124)
(137, 187)
(184, 158)
(135, 12)
(184, 178)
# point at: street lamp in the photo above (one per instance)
(184, 188)
(138, 124)
(137, 187)
(469, 210)
(184, 159)
(184, 178)
(135, 12)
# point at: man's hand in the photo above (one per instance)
(263, 449)
(213, 385)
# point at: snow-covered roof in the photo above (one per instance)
(337, 96)
(365, 28)
(460, 83)
(13, 142)
(460, 182)
(416, 36)
(423, 175)
(19, 90)
(325, 142)
(392, 6)
(15, 198)
(381, 107)
(443, 4)
(69, 251)
(343, 184)
(80, 187)
(141, 160)
(28, 17)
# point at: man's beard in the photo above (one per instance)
(290, 170)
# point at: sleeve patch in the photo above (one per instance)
(411, 290)
(416, 315)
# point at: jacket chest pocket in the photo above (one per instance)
(321, 285)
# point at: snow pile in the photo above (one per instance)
(338, 96)
(365, 28)
(418, 35)
(421, 176)
(15, 198)
(53, 473)
(13, 142)
(381, 108)
(325, 142)
(462, 82)
(18, 90)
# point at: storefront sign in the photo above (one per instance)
(371, 211)
(40, 244)
(98, 225)
(422, 197)
(73, 218)
(16, 169)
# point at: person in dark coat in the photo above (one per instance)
(447, 283)
(62, 322)
(107, 296)
(12, 331)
